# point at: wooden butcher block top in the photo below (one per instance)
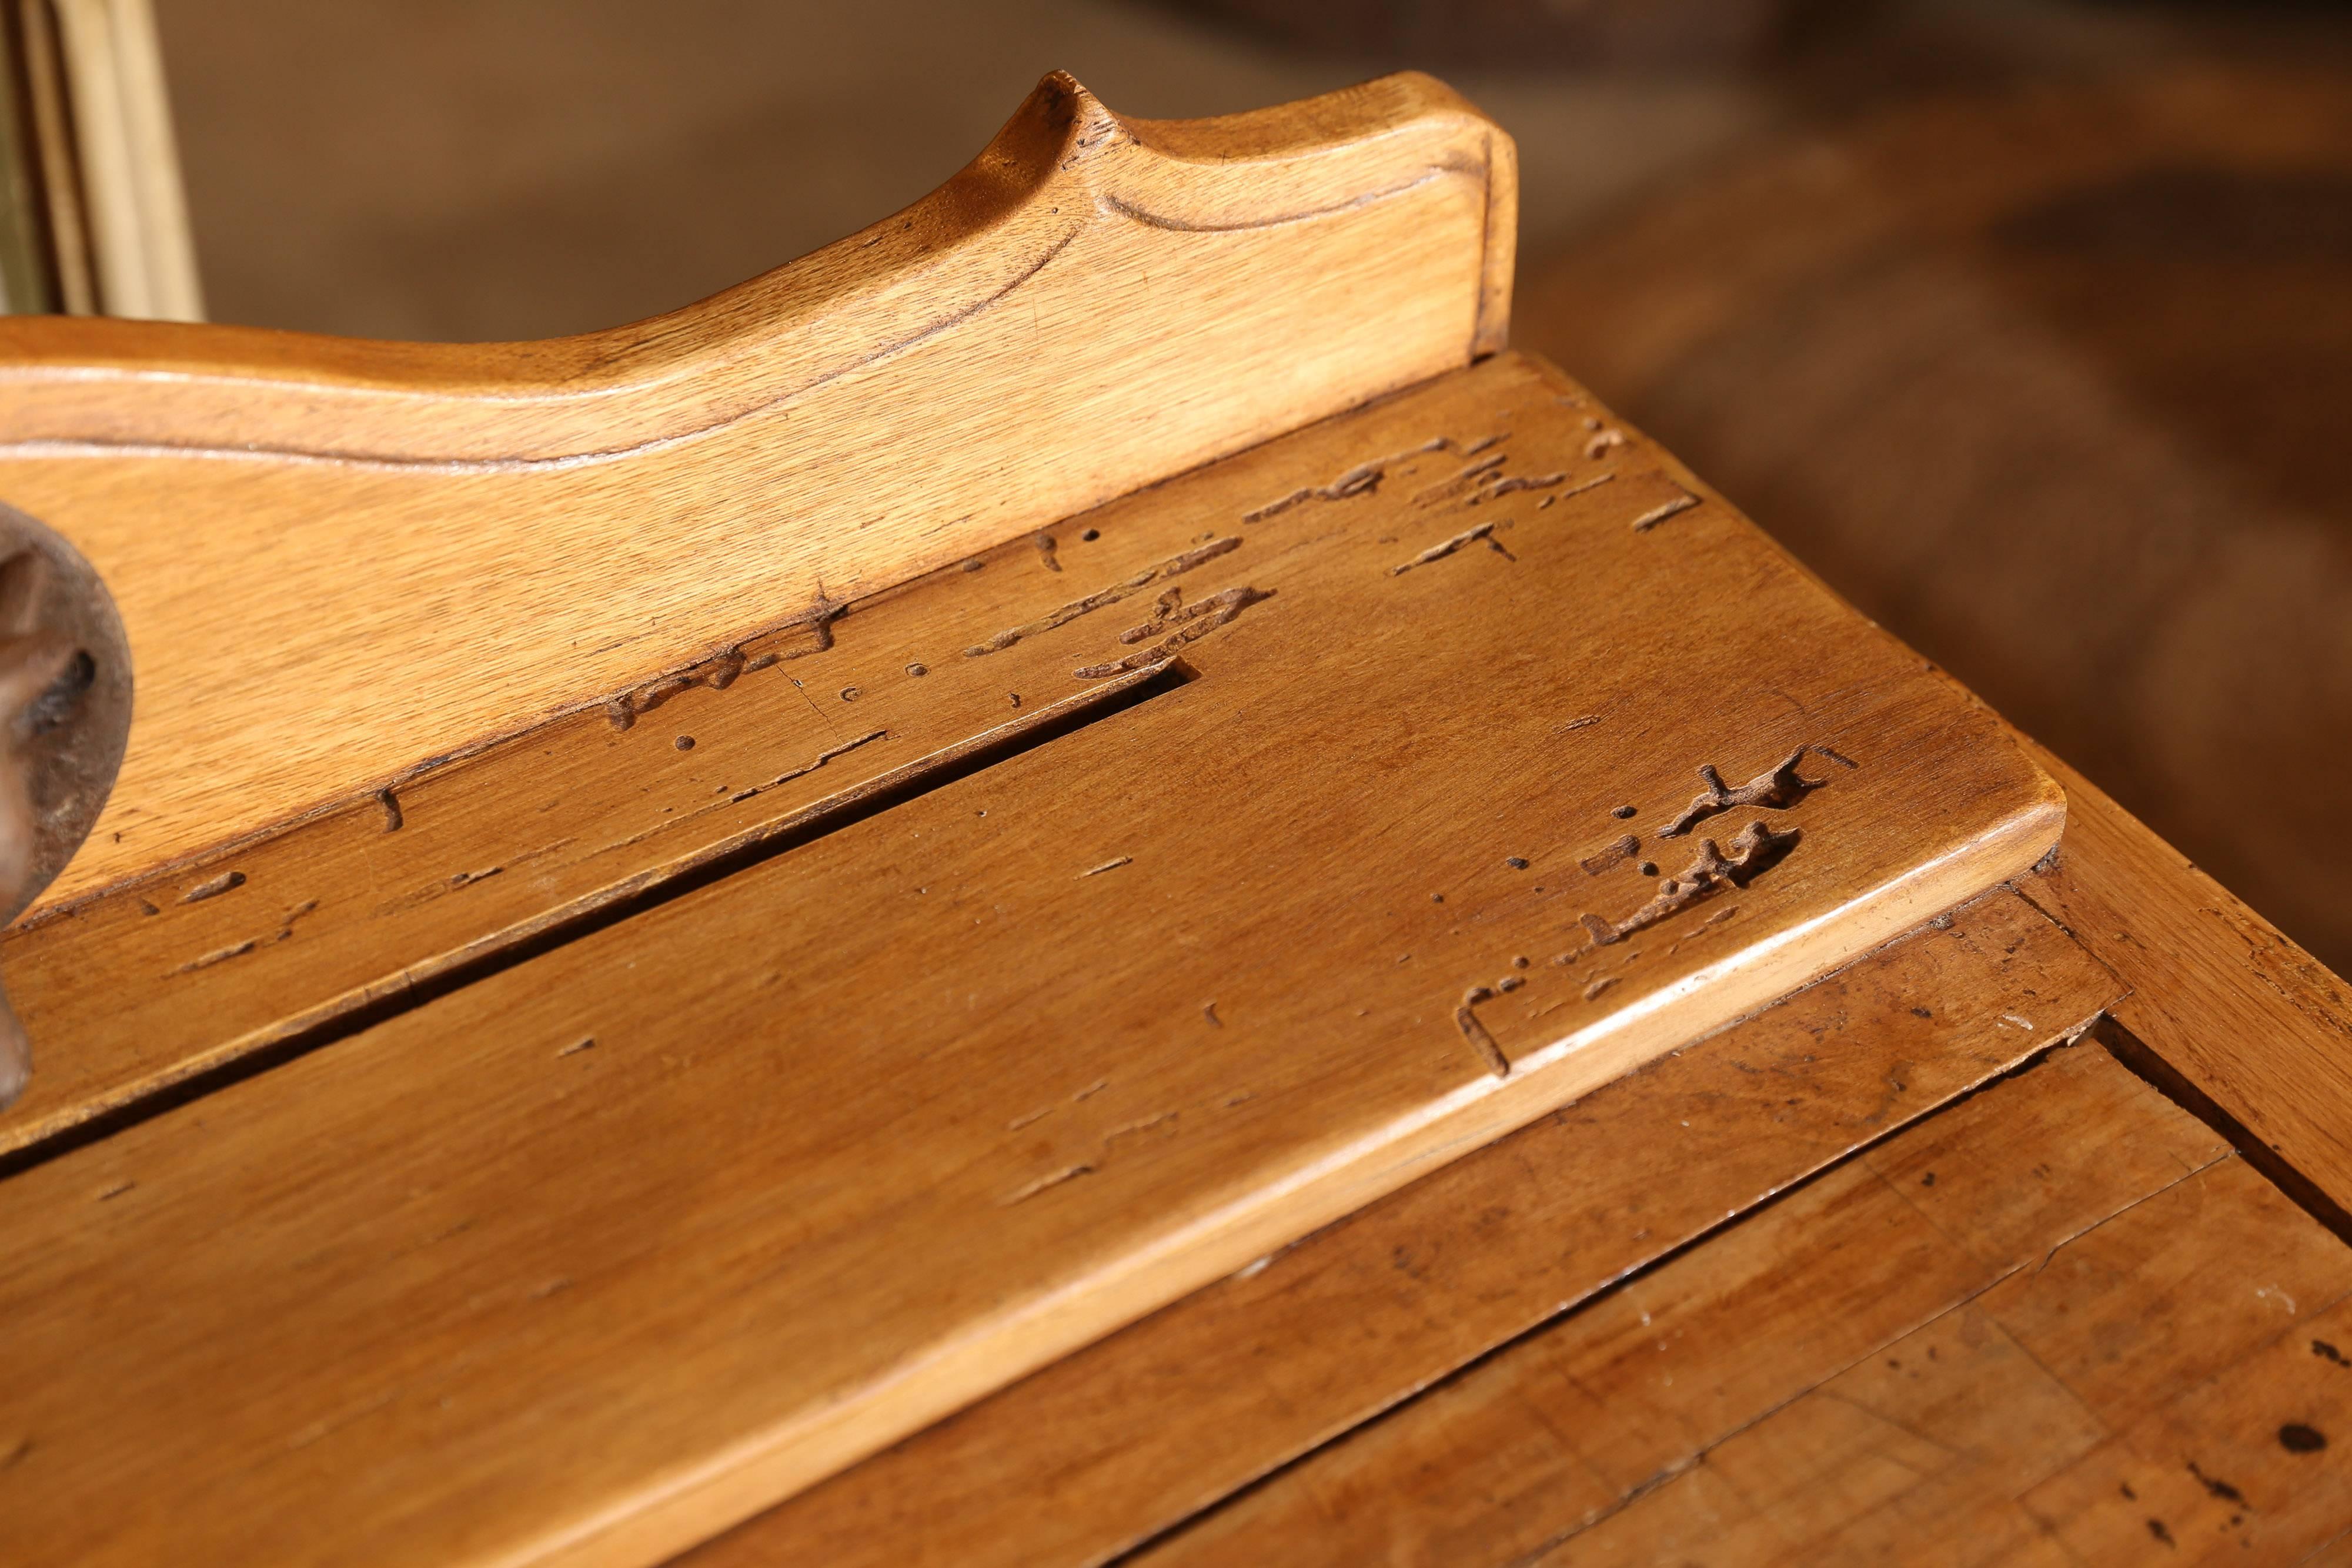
(627, 1096)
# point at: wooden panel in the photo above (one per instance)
(337, 559)
(241, 950)
(1874, 1369)
(993, 1071)
(1089, 1456)
(2218, 992)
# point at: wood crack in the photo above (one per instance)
(1755, 851)
(1204, 617)
(1062, 616)
(1777, 788)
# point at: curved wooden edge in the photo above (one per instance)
(1061, 162)
(423, 547)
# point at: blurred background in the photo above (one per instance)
(2027, 325)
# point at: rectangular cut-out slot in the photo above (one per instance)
(280, 964)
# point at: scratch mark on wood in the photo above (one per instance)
(1818, 750)
(1623, 850)
(724, 669)
(1046, 548)
(1777, 788)
(1025, 1193)
(1518, 482)
(1361, 480)
(1143, 1125)
(468, 878)
(1065, 614)
(1574, 490)
(1107, 865)
(822, 758)
(1166, 606)
(1209, 1011)
(393, 819)
(1593, 992)
(1473, 476)
(117, 1190)
(1601, 445)
(577, 1046)
(1018, 1123)
(214, 887)
(1587, 722)
(1662, 511)
(1755, 851)
(1466, 1019)
(1204, 618)
(1440, 552)
(238, 950)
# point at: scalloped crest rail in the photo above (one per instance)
(337, 559)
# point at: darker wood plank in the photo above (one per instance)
(2205, 1332)
(1895, 1342)
(2217, 992)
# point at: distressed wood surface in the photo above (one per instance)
(1105, 1448)
(336, 560)
(243, 950)
(2058, 1323)
(2216, 991)
(565, 1266)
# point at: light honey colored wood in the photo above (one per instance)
(245, 949)
(1132, 1435)
(586, 1258)
(871, 1128)
(336, 560)
(1876, 1367)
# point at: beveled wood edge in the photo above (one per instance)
(2079, 1020)
(766, 1468)
(76, 384)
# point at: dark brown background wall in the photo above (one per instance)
(2028, 325)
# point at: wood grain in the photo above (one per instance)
(242, 950)
(870, 1129)
(336, 560)
(1107, 1447)
(2250, 1464)
(1874, 1368)
(2216, 991)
